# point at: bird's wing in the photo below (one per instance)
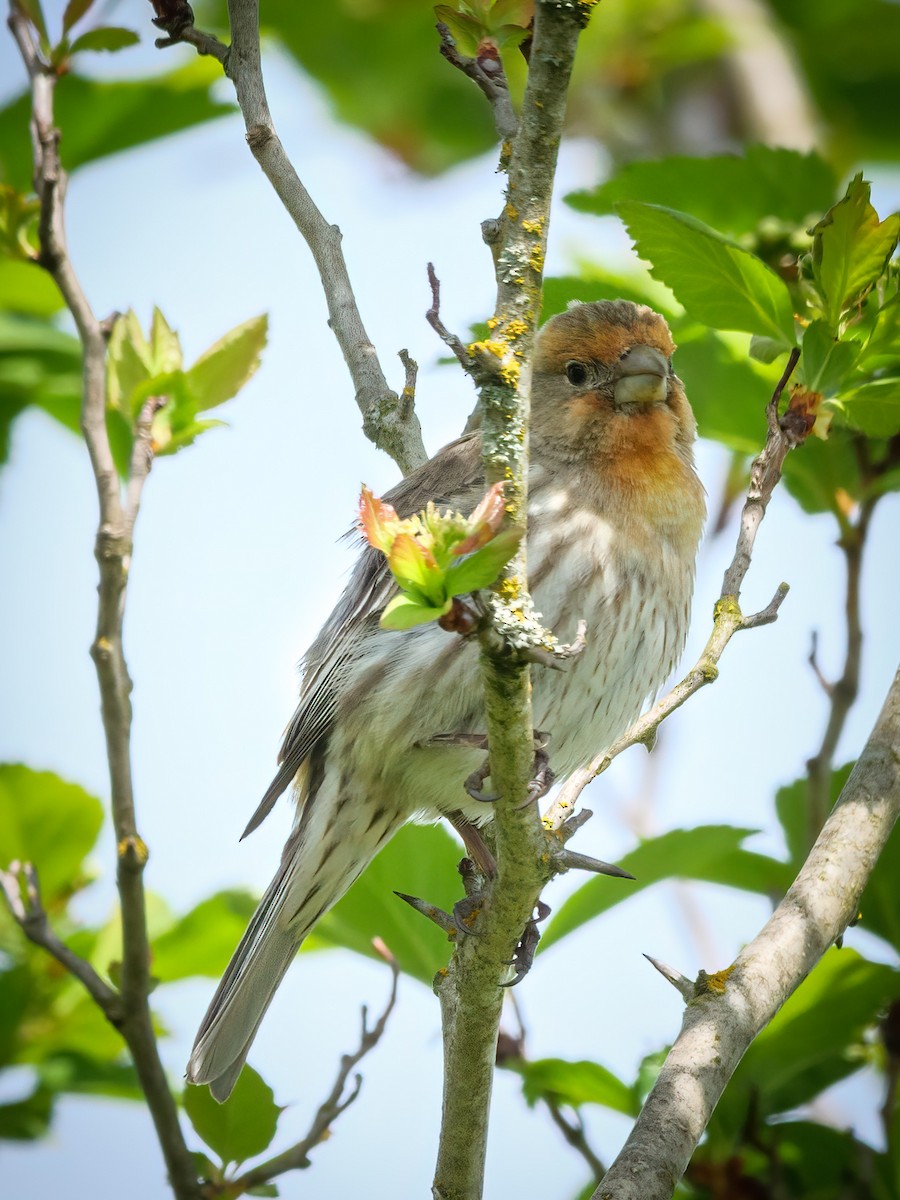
(453, 477)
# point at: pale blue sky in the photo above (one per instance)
(237, 562)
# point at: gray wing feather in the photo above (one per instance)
(454, 476)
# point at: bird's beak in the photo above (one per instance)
(640, 376)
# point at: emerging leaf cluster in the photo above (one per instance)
(435, 556)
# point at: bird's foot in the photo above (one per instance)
(524, 954)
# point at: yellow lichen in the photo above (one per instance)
(714, 983)
(533, 226)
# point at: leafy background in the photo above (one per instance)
(236, 566)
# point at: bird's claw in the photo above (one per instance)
(465, 913)
(523, 957)
(475, 781)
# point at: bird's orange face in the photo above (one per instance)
(606, 400)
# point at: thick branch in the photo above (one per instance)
(389, 419)
(470, 991)
(113, 552)
(720, 1025)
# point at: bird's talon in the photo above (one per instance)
(465, 913)
(525, 951)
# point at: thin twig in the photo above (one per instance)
(297, 1156)
(728, 619)
(389, 419)
(575, 1135)
(488, 74)
(433, 317)
(113, 553)
(722, 1021)
(29, 914)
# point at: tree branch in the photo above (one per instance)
(784, 434)
(470, 990)
(22, 890)
(488, 75)
(113, 552)
(720, 1023)
(389, 419)
(296, 1157)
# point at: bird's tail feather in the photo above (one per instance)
(316, 870)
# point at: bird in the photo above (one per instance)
(615, 515)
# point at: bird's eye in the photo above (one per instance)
(576, 373)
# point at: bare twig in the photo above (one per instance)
(721, 1022)
(297, 1156)
(29, 914)
(433, 317)
(389, 419)
(574, 1133)
(488, 74)
(113, 553)
(728, 618)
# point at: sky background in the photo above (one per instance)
(237, 563)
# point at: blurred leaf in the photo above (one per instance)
(713, 853)
(597, 284)
(27, 289)
(27, 1119)
(35, 14)
(648, 1073)
(883, 345)
(241, 1127)
(878, 904)
(574, 1083)
(850, 249)
(105, 38)
(101, 118)
(811, 1043)
(792, 807)
(717, 282)
(420, 860)
(202, 941)
(479, 570)
(14, 996)
(820, 475)
(405, 612)
(728, 391)
(48, 822)
(730, 193)
(222, 370)
(76, 1074)
(874, 408)
(75, 10)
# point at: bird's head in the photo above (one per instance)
(603, 384)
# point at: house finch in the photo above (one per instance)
(614, 517)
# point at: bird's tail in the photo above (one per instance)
(313, 876)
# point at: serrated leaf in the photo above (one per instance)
(403, 612)
(851, 249)
(574, 1083)
(713, 853)
(481, 569)
(241, 1127)
(109, 38)
(874, 408)
(727, 191)
(165, 346)
(717, 281)
(883, 345)
(74, 11)
(222, 370)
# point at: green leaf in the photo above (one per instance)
(880, 913)
(35, 14)
(403, 612)
(28, 290)
(813, 1042)
(78, 1074)
(726, 191)
(713, 853)
(792, 807)
(222, 370)
(241, 1127)
(825, 362)
(874, 408)
(27, 1119)
(597, 284)
(108, 38)
(165, 347)
(883, 346)
(717, 282)
(851, 249)
(419, 860)
(102, 118)
(481, 569)
(820, 474)
(50, 823)
(75, 10)
(728, 391)
(203, 940)
(574, 1083)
